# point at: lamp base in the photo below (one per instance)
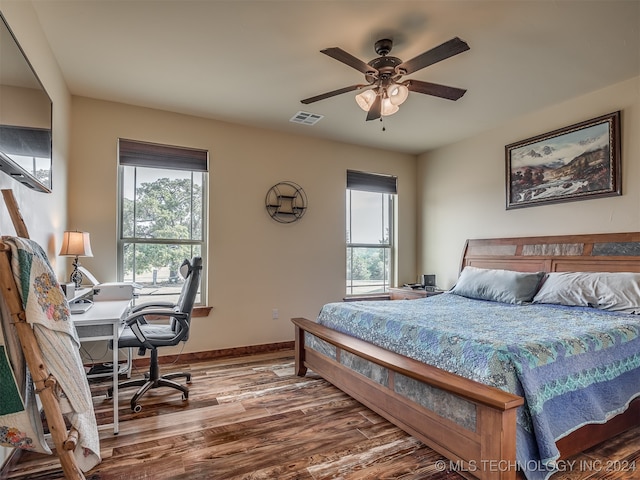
(76, 275)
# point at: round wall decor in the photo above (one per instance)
(286, 202)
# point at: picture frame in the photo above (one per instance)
(578, 162)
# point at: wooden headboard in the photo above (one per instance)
(604, 252)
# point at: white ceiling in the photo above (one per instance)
(251, 62)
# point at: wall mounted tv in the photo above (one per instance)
(25, 117)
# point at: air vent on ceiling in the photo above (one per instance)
(306, 118)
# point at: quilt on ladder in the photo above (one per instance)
(47, 311)
(20, 424)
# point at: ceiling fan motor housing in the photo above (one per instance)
(383, 47)
(385, 68)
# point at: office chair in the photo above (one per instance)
(149, 336)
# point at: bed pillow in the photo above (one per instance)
(619, 291)
(497, 285)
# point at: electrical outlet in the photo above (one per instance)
(275, 314)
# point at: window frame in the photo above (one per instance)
(383, 185)
(122, 240)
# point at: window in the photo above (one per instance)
(162, 216)
(370, 200)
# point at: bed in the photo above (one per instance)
(493, 424)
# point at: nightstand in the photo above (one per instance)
(406, 293)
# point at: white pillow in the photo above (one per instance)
(497, 285)
(619, 291)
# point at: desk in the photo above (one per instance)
(103, 321)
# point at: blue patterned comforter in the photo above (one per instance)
(572, 365)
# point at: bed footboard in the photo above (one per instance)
(472, 424)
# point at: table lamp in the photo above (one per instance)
(76, 244)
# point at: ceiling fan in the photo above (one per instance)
(384, 89)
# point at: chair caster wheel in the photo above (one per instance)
(137, 408)
(109, 394)
(185, 397)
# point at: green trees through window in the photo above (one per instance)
(162, 221)
(369, 243)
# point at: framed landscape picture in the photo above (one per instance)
(578, 162)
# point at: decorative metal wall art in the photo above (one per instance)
(286, 202)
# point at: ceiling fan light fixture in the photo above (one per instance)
(388, 108)
(397, 93)
(365, 99)
(385, 92)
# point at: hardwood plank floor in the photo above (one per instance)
(252, 418)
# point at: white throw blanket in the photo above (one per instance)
(47, 310)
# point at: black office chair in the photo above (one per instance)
(143, 335)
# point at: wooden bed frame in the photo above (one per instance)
(486, 449)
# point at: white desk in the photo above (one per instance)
(103, 321)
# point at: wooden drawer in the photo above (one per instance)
(410, 293)
(406, 293)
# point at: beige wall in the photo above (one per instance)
(461, 188)
(255, 263)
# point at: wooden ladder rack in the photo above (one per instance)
(45, 383)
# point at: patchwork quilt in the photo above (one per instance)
(572, 365)
(48, 313)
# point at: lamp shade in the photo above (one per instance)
(387, 108)
(365, 99)
(397, 93)
(76, 244)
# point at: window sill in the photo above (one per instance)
(358, 298)
(202, 311)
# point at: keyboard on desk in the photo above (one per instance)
(80, 306)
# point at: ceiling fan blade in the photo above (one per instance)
(348, 59)
(376, 109)
(435, 55)
(331, 94)
(443, 91)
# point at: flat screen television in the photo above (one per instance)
(25, 117)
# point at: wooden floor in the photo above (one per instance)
(252, 418)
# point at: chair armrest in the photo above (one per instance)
(146, 308)
(156, 312)
(158, 304)
(134, 321)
